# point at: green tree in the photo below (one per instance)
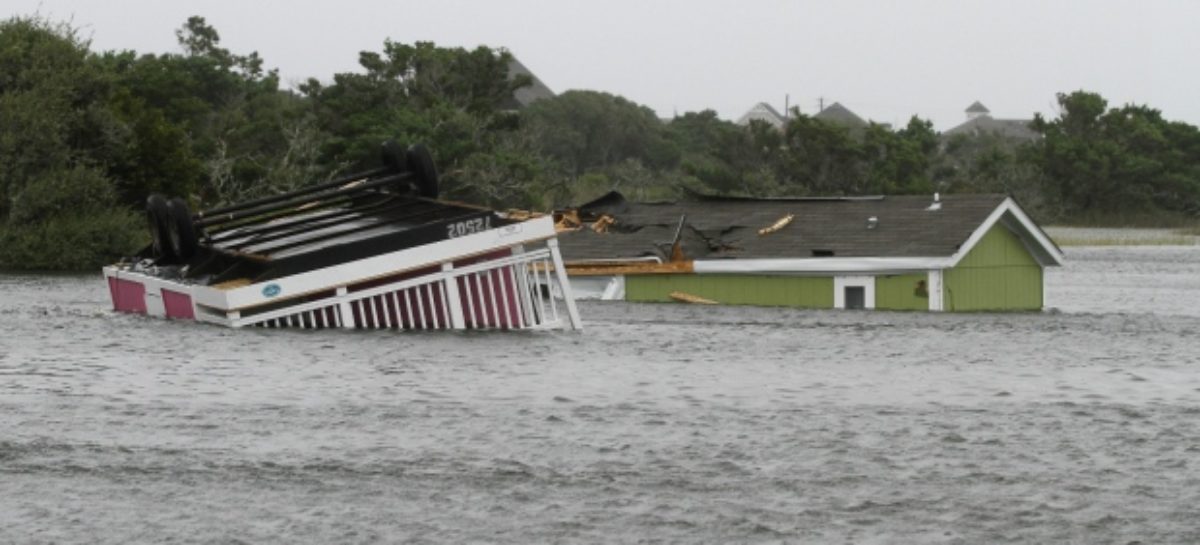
(451, 99)
(211, 123)
(993, 163)
(822, 158)
(588, 131)
(1118, 161)
(68, 219)
(727, 158)
(58, 207)
(899, 162)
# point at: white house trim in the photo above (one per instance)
(934, 286)
(840, 283)
(1026, 223)
(830, 265)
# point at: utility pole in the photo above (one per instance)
(820, 104)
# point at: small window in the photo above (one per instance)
(856, 297)
(822, 253)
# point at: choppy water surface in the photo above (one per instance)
(660, 423)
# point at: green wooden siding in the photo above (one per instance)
(735, 289)
(997, 274)
(898, 292)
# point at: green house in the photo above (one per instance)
(953, 253)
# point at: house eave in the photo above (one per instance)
(816, 265)
(1044, 250)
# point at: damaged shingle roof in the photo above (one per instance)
(717, 228)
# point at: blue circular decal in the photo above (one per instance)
(271, 290)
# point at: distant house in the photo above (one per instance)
(980, 122)
(765, 113)
(529, 94)
(835, 114)
(955, 253)
(840, 115)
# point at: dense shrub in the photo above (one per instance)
(73, 242)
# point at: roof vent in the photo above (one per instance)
(937, 202)
(872, 222)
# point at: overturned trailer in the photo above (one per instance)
(372, 250)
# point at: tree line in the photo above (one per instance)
(86, 135)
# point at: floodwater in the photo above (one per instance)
(658, 424)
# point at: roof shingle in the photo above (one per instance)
(717, 228)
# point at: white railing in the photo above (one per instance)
(513, 292)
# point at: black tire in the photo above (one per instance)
(420, 162)
(158, 218)
(181, 230)
(393, 156)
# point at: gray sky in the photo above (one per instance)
(884, 60)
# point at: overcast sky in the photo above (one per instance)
(884, 60)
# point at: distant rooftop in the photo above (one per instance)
(836, 113)
(980, 122)
(529, 94)
(762, 112)
(977, 107)
(1008, 128)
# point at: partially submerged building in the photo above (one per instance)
(954, 253)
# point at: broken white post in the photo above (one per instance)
(564, 285)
